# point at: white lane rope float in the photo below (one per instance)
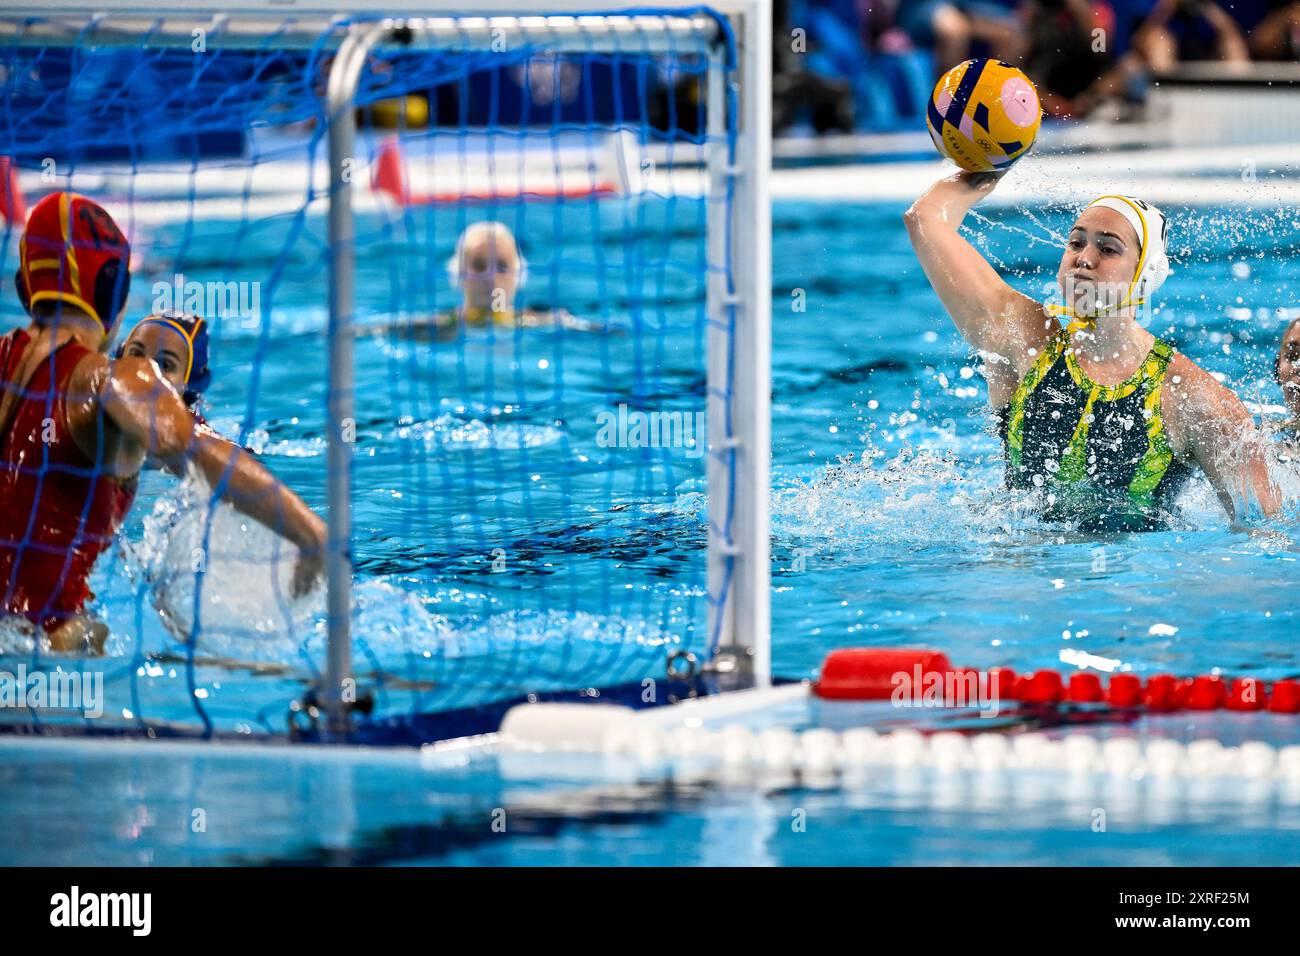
(1122, 733)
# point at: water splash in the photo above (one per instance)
(211, 570)
(18, 637)
(919, 496)
(927, 495)
(462, 645)
(459, 434)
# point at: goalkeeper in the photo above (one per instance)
(488, 272)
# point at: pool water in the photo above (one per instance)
(184, 804)
(501, 549)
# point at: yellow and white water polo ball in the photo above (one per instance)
(983, 115)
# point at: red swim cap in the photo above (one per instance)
(72, 251)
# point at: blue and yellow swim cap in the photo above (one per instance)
(192, 328)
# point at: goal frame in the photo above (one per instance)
(739, 299)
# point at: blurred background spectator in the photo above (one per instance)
(1068, 61)
(952, 28)
(809, 80)
(869, 65)
(1075, 61)
(1277, 36)
(1186, 30)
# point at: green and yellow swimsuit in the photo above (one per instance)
(1087, 445)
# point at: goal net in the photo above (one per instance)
(487, 293)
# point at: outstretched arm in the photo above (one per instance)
(252, 489)
(991, 316)
(1212, 423)
(149, 412)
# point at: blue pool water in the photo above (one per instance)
(114, 804)
(889, 523)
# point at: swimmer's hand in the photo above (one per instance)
(81, 634)
(977, 184)
(310, 565)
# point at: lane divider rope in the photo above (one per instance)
(876, 674)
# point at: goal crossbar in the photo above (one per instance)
(644, 34)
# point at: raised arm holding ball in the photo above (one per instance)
(1099, 417)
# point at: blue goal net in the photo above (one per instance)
(528, 441)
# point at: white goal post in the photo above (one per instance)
(739, 298)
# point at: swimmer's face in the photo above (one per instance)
(489, 268)
(1101, 255)
(1288, 367)
(165, 346)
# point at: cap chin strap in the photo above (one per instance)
(1087, 321)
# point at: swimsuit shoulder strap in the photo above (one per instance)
(1156, 364)
(1159, 457)
(20, 372)
(1164, 352)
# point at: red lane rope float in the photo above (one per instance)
(869, 673)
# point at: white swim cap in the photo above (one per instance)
(1152, 230)
(456, 264)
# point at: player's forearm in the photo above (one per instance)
(945, 203)
(1234, 456)
(1251, 446)
(252, 490)
(1265, 492)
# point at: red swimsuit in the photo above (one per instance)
(58, 509)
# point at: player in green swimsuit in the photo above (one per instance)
(1103, 419)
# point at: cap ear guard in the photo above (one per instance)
(197, 385)
(112, 286)
(1154, 274)
(1156, 269)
